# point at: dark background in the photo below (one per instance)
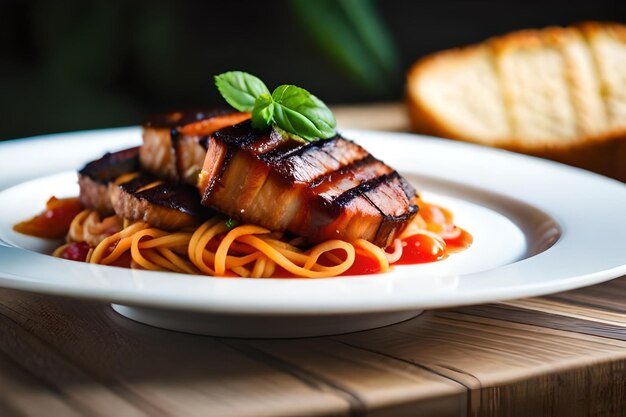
(68, 65)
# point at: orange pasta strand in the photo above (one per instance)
(245, 251)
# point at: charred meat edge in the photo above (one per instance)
(94, 178)
(167, 205)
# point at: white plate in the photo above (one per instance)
(538, 227)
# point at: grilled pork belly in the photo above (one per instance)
(321, 190)
(172, 146)
(164, 204)
(94, 178)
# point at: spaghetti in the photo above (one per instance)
(215, 248)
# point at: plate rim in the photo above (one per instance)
(400, 305)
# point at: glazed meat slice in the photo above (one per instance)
(164, 204)
(173, 146)
(94, 178)
(320, 190)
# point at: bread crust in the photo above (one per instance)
(603, 152)
(422, 117)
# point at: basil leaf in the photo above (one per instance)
(263, 111)
(301, 113)
(240, 89)
(290, 108)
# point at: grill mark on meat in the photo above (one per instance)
(133, 185)
(306, 163)
(181, 197)
(384, 186)
(240, 135)
(391, 218)
(278, 155)
(342, 171)
(112, 165)
(344, 151)
(409, 190)
(166, 205)
(319, 190)
(359, 190)
(216, 162)
(230, 154)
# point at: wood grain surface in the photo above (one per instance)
(550, 356)
(559, 355)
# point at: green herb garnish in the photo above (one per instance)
(290, 108)
(231, 223)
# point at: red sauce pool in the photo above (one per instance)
(419, 249)
(54, 222)
(363, 265)
(459, 243)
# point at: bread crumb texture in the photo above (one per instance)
(558, 93)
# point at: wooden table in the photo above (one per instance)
(559, 355)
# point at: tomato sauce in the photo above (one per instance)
(416, 249)
(439, 238)
(363, 264)
(460, 242)
(54, 222)
(419, 249)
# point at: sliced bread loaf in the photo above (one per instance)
(558, 93)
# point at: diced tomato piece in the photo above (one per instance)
(76, 251)
(54, 222)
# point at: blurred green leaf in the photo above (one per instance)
(354, 37)
(372, 31)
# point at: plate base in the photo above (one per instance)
(260, 326)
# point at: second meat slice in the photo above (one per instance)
(325, 189)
